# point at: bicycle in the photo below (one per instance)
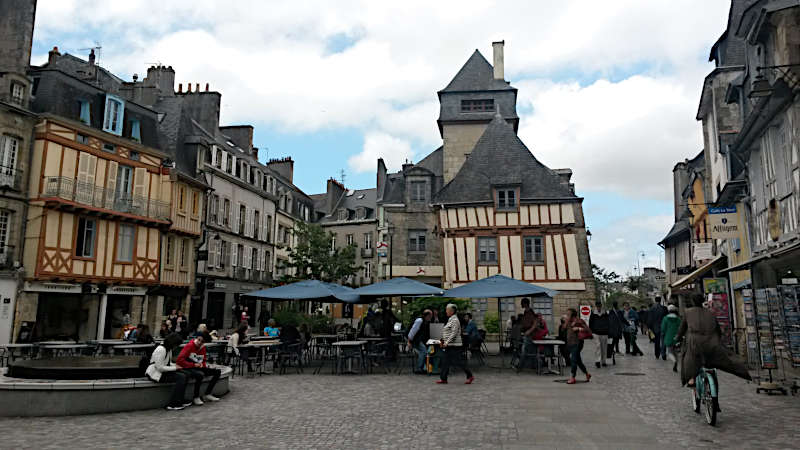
(705, 393)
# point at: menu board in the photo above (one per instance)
(716, 290)
(791, 319)
(751, 329)
(764, 327)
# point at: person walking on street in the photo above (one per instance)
(418, 337)
(451, 347)
(631, 329)
(655, 316)
(575, 329)
(599, 324)
(615, 327)
(669, 329)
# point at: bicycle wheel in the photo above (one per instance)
(708, 400)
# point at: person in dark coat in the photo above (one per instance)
(702, 347)
(654, 318)
(599, 324)
(615, 327)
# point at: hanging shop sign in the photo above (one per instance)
(724, 222)
(702, 251)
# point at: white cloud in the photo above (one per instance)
(620, 137)
(272, 61)
(393, 150)
(617, 245)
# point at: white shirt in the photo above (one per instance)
(160, 362)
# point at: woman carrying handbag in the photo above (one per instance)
(577, 332)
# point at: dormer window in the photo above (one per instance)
(136, 131)
(342, 214)
(114, 114)
(418, 192)
(506, 199)
(361, 213)
(479, 105)
(85, 112)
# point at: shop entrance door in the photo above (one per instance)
(118, 314)
(58, 317)
(216, 310)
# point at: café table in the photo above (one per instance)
(342, 350)
(262, 348)
(14, 351)
(551, 342)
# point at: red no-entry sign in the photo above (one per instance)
(585, 310)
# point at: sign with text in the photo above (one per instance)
(702, 251)
(724, 222)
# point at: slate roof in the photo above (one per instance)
(352, 200)
(434, 162)
(476, 75)
(681, 226)
(501, 158)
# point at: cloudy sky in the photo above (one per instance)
(609, 89)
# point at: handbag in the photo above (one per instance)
(585, 333)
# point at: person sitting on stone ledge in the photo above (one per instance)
(192, 360)
(161, 370)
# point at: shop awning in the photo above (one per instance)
(750, 262)
(698, 272)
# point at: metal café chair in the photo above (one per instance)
(377, 356)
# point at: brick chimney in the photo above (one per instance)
(91, 57)
(52, 56)
(333, 193)
(162, 78)
(499, 63)
(283, 166)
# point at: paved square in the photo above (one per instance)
(501, 410)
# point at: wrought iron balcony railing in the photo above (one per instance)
(10, 177)
(99, 197)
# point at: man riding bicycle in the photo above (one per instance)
(702, 347)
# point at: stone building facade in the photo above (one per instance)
(351, 215)
(16, 137)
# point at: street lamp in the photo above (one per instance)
(390, 230)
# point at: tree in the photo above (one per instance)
(313, 257)
(604, 280)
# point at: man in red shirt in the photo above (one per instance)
(192, 361)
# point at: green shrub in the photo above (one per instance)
(491, 322)
(417, 305)
(287, 318)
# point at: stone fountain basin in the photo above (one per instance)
(77, 368)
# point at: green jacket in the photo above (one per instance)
(669, 328)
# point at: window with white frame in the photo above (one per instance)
(418, 194)
(114, 114)
(17, 93)
(125, 243)
(534, 249)
(84, 241)
(367, 269)
(367, 240)
(506, 199)
(9, 147)
(487, 250)
(5, 218)
(349, 239)
(416, 241)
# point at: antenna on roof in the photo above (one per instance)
(342, 176)
(96, 52)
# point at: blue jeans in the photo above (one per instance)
(422, 351)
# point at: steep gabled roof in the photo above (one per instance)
(476, 75)
(501, 158)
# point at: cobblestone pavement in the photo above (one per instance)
(501, 410)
